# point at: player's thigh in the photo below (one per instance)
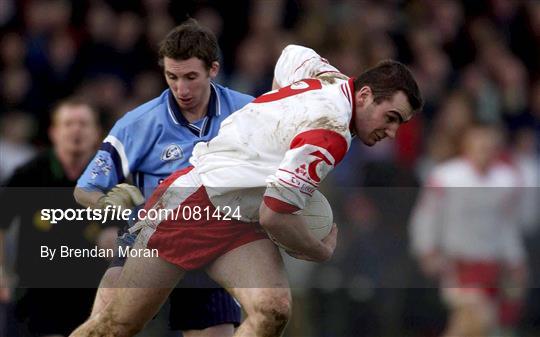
(144, 284)
(252, 273)
(257, 264)
(107, 289)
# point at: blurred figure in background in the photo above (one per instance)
(466, 232)
(455, 115)
(16, 129)
(74, 134)
(527, 160)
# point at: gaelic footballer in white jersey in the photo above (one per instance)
(288, 139)
(268, 158)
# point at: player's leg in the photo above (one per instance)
(255, 275)
(108, 284)
(144, 285)
(208, 312)
(106, 290)
(472, 313)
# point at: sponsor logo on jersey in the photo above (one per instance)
(307, 189)
(312, 168)
(301, 170)
(172, 152)
(310, 171)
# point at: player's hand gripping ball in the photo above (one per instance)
(122, 195)
(318, 215)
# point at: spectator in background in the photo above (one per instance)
(16, 129)
(465, 231)
(74, 133)
(454, 116)
(254, 73)
(527, 160)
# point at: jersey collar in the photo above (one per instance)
(348, 90)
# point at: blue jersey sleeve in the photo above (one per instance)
(116, 158)
(240, 100)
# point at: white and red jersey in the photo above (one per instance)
(283, 143)
(468, 215)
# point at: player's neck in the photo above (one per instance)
(480, 167)
(199, 111)
(196, 114)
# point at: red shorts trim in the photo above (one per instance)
(192, 243)
(479, 276)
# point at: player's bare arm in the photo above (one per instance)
(291, 231)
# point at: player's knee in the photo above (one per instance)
(476, 319)
(108, 322)
(275, 311)
(110, 278)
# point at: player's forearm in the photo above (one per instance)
(292, 232)
(87, 198)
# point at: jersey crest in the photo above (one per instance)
(172, 152)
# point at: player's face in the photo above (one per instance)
(376, 121)
(75, 130)
(189, 81)
(482, 146)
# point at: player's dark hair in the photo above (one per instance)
(188, 40)
(387, 78)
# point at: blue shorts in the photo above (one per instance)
(198, 302)
(197, 309)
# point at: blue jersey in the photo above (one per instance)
(154, 140)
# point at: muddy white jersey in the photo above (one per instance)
(283, 143)
(468, 215)
(297, 63)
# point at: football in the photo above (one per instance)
(318, 216)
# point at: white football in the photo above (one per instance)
(318, 216)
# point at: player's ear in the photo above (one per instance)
(364, 96)
(214, 69)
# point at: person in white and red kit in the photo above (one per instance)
(466, 232)
(266, 161)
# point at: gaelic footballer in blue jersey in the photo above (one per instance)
(149, 143)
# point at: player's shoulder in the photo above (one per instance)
(297, 50)
(145, 113)
(335, 99)
(506, 173)
(451, 165)
(449, 170)
(233, 97)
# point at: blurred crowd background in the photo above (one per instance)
(474, 60)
